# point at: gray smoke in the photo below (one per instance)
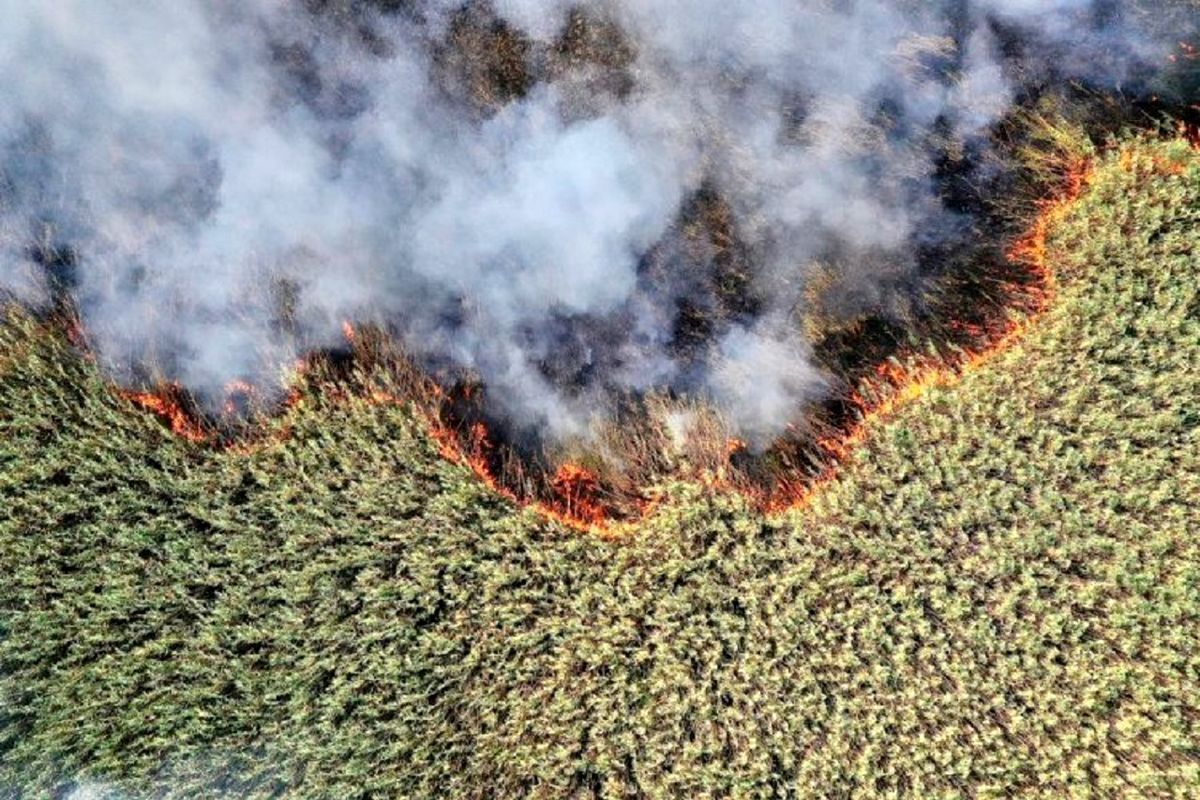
(219, 185)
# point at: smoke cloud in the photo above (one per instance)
(218, 185)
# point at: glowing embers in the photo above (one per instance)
(1185, 52)
(1191, 132)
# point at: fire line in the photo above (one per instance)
(575, 490)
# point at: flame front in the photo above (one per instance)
(577, 491)
(574, 494)
(896, 383)
(165, 404)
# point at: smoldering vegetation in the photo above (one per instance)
(575, 217)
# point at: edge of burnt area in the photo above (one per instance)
(973, 288)
(974, 285)
(969, 288)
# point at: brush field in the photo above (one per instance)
(998, 596)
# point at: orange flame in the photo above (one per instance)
(575, 489)
(898, 383)
(233, 391)
(578, 491)
(164, 403)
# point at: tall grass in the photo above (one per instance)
(998, 597)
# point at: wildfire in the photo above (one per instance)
(1191, 132)
(578, 492)
(165, 403)
(1187, 52)
(77, 336)
(575, 489)
(896, 383)
(237, 394)
(574, 495)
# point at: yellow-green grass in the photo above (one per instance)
(998, 597)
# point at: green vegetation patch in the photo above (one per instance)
(1000, 596)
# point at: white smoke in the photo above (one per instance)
(93, 791)
(191, 175)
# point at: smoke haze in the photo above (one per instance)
(218, 185)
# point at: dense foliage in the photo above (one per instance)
(999, 596)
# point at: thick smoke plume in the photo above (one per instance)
(216, 186)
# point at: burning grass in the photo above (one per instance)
(994, 596)
(974, 300)
(607, 484)
(602, 486)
